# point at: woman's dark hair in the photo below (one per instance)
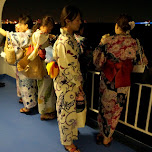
(123, 22)
(26, 19)
(69, 12)
(45, 21)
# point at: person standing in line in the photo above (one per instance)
(40, 40)
(114, 58)
(21, 41)
(69, 80)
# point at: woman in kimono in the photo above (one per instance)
(69, 80)
(46, 93)
(21, 41)
(17, 29)
(114, 57)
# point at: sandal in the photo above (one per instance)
(20, 101)
(72, 148)
(99, 139)
(47, 116)
(25, 110)
(109, 143)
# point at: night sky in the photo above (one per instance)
(93, 11)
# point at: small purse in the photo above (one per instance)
(81, 109)
(139, 68)
(10, 52)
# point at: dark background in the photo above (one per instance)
(93, 11)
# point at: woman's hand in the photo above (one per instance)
(33, 55)
(51, 36)
(102, 41)
(81, 90)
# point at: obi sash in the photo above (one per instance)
(119, 71)
(41, 52)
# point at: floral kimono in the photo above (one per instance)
(114, 60)
(26, 88)
(66, 86)
(46, 94)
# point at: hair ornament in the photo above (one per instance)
(132, 24)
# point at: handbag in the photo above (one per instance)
(81, 109)
(32, 69)
(139, 68)
(10, 52)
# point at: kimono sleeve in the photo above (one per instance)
(68, 63)
(19, 40)
(39, 38)
(99, 57)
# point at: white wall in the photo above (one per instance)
(4, 67)
(7, 69)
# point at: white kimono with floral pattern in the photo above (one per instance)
(66, 85)
(46, 94)
(26, 88)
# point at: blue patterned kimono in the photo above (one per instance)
(27, 89)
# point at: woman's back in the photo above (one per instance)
(121, 47)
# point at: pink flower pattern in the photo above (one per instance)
(112, 100)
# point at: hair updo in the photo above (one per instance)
(123, 22)
(45, 21)
(69, 12)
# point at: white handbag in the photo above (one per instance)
(139, 68)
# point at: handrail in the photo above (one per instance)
(125, 122)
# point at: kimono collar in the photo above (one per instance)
(38, 30)
(64, 32)
(29, 31)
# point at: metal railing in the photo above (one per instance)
(125, 122)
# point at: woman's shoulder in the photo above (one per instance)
(124, 37)
(63, 38)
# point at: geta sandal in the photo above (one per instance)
(109, 143)
(47, 116)
(25, 110)
(72, 149)
(20, 101)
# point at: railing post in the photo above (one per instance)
(149, 111)
(138, 104)
(127, 105)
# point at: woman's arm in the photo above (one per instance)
(3, 32)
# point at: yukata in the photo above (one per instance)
(114, 60)
(66, 84)
(46, 93)
(26, 88)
